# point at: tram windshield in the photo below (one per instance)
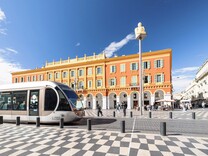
(72, 96)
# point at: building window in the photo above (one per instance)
(22, 79)
(159, 78)
(90, 84)
(123, 81)
(28, 79)
(57, 75)
(72, 73)
(73, 85)
(99, 70)
(99, 83)
(134, 81)
(64, 74)
(146, 65)
(49, 76)
(81, 72)
(123, 67)
(158, 63)
(112, 82)
(113, 69)
(89, 71)
(34, 78)
(147, 79)
(134, 66)
(40, 77)
(16, 80)
(81, 85)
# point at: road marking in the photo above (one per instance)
(131, 135)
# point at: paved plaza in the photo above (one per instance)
(185, 136)
(28, 140)
(201, 114)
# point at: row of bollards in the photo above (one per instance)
(131, 114)
(122, 127)
(150, 115)
(61, 123)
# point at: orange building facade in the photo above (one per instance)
(109, 81)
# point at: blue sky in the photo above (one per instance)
(34, 31)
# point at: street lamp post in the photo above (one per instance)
(140, 34)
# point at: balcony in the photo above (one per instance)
(134, 85)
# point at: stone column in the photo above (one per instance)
(93, 102)
(104, 102)
(84, 102)
(129, 102)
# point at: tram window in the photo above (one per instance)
(5, 101)
(63, 103)
(19, 100)
(50, 99)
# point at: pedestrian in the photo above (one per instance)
(118, 107)
(124, 108)
(99, 110)
(203, 104)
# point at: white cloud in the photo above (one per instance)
(184, 70)
(3, 31)
(183, 77)
(7, 67)
(12, 50)
(115, 46)
(7, 51)
(2, 16)
(78, 44)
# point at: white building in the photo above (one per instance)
(197, 91)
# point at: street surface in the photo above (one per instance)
(185, 136)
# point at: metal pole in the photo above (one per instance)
(89, 128)
(122, 126)
(17, 120)
(131, 114)
(193, 115)
(61, 123)
(150, 114)
(38, 121)
(114, 113)
(163, 128)
(1, 120)
(140, 76)
(170, 115)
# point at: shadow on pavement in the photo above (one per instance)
(94, 121)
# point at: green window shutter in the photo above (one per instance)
(142, 65)
(162, 63)
(115, 81)
(162, 77)
(136, 66)
(115, 68)
(148, 64)
(155, 63)
(155, 78)
(149, 79)
(131, 66)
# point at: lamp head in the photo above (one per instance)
(140, 32)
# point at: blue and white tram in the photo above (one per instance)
(48, 100)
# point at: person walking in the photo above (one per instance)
(118, 107)
(99, 110)
(203, 104)
(124, 108)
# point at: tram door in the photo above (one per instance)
(34, 103)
